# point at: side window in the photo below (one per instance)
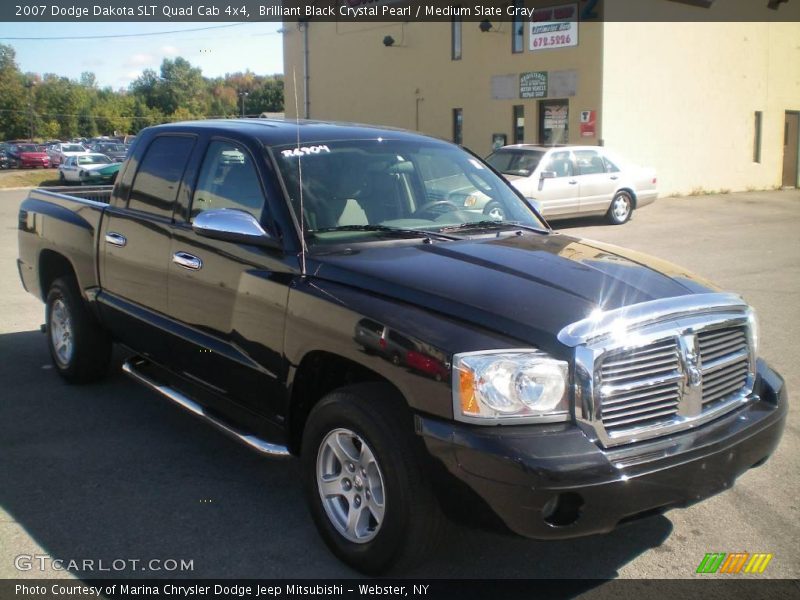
(589, 162)
(561, 163)
(610, 166)
(156, 184)
(228, 179)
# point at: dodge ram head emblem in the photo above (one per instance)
(691, 403)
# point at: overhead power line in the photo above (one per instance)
(126, 35)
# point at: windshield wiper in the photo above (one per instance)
(492, 224)
(394, 231)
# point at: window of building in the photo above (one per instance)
(156, 184)
(517, 29)
(757, 137)
(455, 50)
(518, 124)
(553, 122)
(228, 179)
(458, 125)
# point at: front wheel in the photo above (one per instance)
(494, 210)
(364, 480)
(621, 209)
(79, 347)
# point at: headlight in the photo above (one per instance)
(752, 321)
(509, 386)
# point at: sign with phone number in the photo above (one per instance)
(559, 31)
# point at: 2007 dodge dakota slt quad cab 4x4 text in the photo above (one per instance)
(325, 290)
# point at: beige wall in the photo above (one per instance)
(686, 106)
(677, 96)
(354, 77)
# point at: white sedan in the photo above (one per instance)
(58, 153)
(570, 181)
(70, 170)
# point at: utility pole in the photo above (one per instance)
(243, 95)
(30, 85)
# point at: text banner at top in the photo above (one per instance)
(490, 11)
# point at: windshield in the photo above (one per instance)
(112, 148)
(73, 148)
(516, 161)
(374, 189)
(93, 159)
(27, 148)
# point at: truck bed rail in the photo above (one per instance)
(97, 193)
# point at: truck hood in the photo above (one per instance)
(526, 287)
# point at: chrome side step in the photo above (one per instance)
(272, 450)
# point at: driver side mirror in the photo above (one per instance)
(232, 225)
(547, 175)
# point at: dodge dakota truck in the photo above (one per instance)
(328, 291)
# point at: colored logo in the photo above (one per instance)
(735, 562)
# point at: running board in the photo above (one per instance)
(272, 450)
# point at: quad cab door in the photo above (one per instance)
(229, 298)
(135, 244)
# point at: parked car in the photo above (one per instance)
(379, 339)
(28, 155)
(58, 153)
(114, 151)
(570, 181)
(88, 168)
(5, 163)
(582, 385)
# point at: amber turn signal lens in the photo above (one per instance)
(466, 390)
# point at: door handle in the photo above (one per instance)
(572, 181)
(187, 261)
(614, 177)
(116, 239)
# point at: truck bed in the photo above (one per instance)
(65, 221)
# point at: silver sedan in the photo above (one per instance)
(569, 181)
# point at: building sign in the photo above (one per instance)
(554, 27)
(588, 123)
(533, 84)
(555, 116)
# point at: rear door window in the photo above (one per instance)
(158, 179)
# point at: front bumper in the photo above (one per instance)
(551, 482)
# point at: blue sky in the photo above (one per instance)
(226, 48)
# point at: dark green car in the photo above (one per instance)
(100, 176)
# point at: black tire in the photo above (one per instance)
(411, 518)
(61, 178)
(621, 208)
(90, 352)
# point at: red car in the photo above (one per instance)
(426, 364)
(29, 155)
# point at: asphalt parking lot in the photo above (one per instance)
(111, 471)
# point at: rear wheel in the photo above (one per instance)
(364, 480)
(79, 347)
(621, 208)
(61, 177)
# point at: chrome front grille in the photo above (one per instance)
(725, 360)
(640, 386)
(661, 367)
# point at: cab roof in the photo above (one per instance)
(279, 132)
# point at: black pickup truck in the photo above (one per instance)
(352, 296)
